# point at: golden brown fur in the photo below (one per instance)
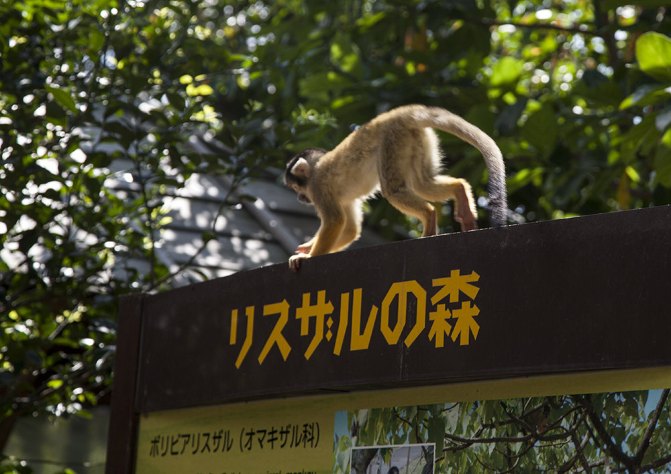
(396, 153)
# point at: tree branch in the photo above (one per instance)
(650, 430)
(506, 439)
(603, 23)
(655, 464)
(605, 437)
(579, 455)
(6, 426)
(225, 203)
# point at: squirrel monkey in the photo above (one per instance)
(396, 153)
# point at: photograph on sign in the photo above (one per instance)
(550, 432)
(362, 434)
(406, 459)
(377, 440)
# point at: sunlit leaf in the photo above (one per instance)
(506, 72)
(647, 94)
(55, 384)
(368, 21)
(653, 52)
(200, 90)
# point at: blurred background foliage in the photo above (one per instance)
(576, 93)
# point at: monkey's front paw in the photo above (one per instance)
(304, 248)
(295, 260)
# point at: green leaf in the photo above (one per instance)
(662, 161)
(647, 95)
(55, 384)
(540, 130)
(598, 89)
(639, 139)
(202, 89)
(437, 431)
(524, 177)
(63, 98)
(208, 235)
(632, 174)
(367, 21)
(663, 119)
(96, 40)
(653, 52)
(344, 53)
(506, 72)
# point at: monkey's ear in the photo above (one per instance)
(301, 168)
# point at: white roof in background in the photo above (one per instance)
(264, 229)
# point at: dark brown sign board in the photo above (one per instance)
(558, 297)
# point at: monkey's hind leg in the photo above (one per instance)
(406, 201)
(442, 188)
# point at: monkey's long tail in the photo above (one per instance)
(446, 121)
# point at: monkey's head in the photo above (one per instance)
(298, 171)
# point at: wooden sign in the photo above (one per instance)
(559, 297)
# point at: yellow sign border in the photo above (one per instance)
(321, 409)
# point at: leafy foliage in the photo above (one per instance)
(575, 93)
(549, 434)
(94, 93)
(97, 104)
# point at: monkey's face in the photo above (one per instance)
(300, 194)
(298, 173)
